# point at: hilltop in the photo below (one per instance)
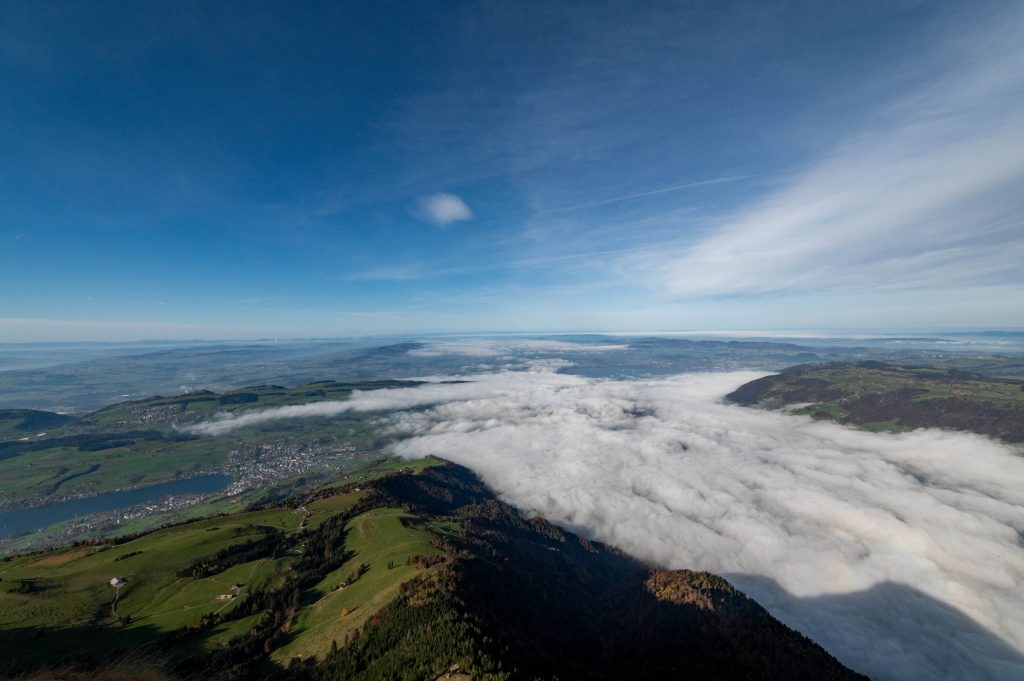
(880, 396)
(406, 571)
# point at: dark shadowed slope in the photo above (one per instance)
(558, 605)
(941, 643)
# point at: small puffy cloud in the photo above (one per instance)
(444, 209)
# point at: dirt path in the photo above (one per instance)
(113, 604)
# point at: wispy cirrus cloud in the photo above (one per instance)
(390, 273)
(925, 193)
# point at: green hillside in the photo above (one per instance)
(405, 572)
(879, 396)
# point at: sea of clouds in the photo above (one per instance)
(511, 348)
(900, 553)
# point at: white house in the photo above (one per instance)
(117, 581)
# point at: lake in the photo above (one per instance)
(23, 520)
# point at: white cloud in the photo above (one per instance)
(374, 400)
(926, 193)
(444, 209)
(820, 509)
(486, 347)
(831, 515)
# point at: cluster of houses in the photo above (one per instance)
(236, 587)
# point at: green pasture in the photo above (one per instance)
(66, 593)
(69, 588)
(330, 613)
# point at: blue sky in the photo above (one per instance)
(232, 170)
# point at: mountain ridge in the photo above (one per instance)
(500, 595)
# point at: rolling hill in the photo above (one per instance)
(879, 396)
